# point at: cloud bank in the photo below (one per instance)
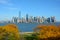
(6, 2)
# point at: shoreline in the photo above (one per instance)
(26, 32)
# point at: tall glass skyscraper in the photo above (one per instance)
(48, 20)
(35, 19)
(53, 19)
(27, 17)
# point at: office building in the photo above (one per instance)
(19, 14)
(38, 19)
(35, 19)
(52, 19)
(43, 19)
(15, 19)
(27, 18)
(31, 20)
(48, 20)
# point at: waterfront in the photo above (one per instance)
(28, 27)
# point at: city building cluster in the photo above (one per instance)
(31, 19)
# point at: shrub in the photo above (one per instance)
(48, 32)
(9, 32)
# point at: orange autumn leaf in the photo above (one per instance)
(11, 29)
(47, 31)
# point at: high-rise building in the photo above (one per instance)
(38, 19)
(48, 20)
(52, 19)
(23, 20)
(15, 19)
(19, 14)
(43, 19)
(27, 17)
(35, 19)
(31, 19)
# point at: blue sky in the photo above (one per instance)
(46, 8)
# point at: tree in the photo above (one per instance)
(48, 31)
(9, 32)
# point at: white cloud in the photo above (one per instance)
(6, 2)
(10, 8)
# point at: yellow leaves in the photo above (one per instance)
(10, 29)
(42, 36)
(47, 31)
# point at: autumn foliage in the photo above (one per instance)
(48, 32)
(9, 32)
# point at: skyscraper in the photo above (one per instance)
(19, 14)
(48, 20)
(43, 19)
(53, 19)
(27, 17)
(14, 19)
(35, 19)
(31, 19)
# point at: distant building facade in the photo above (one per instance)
(48, 20)
(52, 19)
(15, 19)
(27, 17)
(33, 19)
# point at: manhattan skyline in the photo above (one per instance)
(46, 8)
